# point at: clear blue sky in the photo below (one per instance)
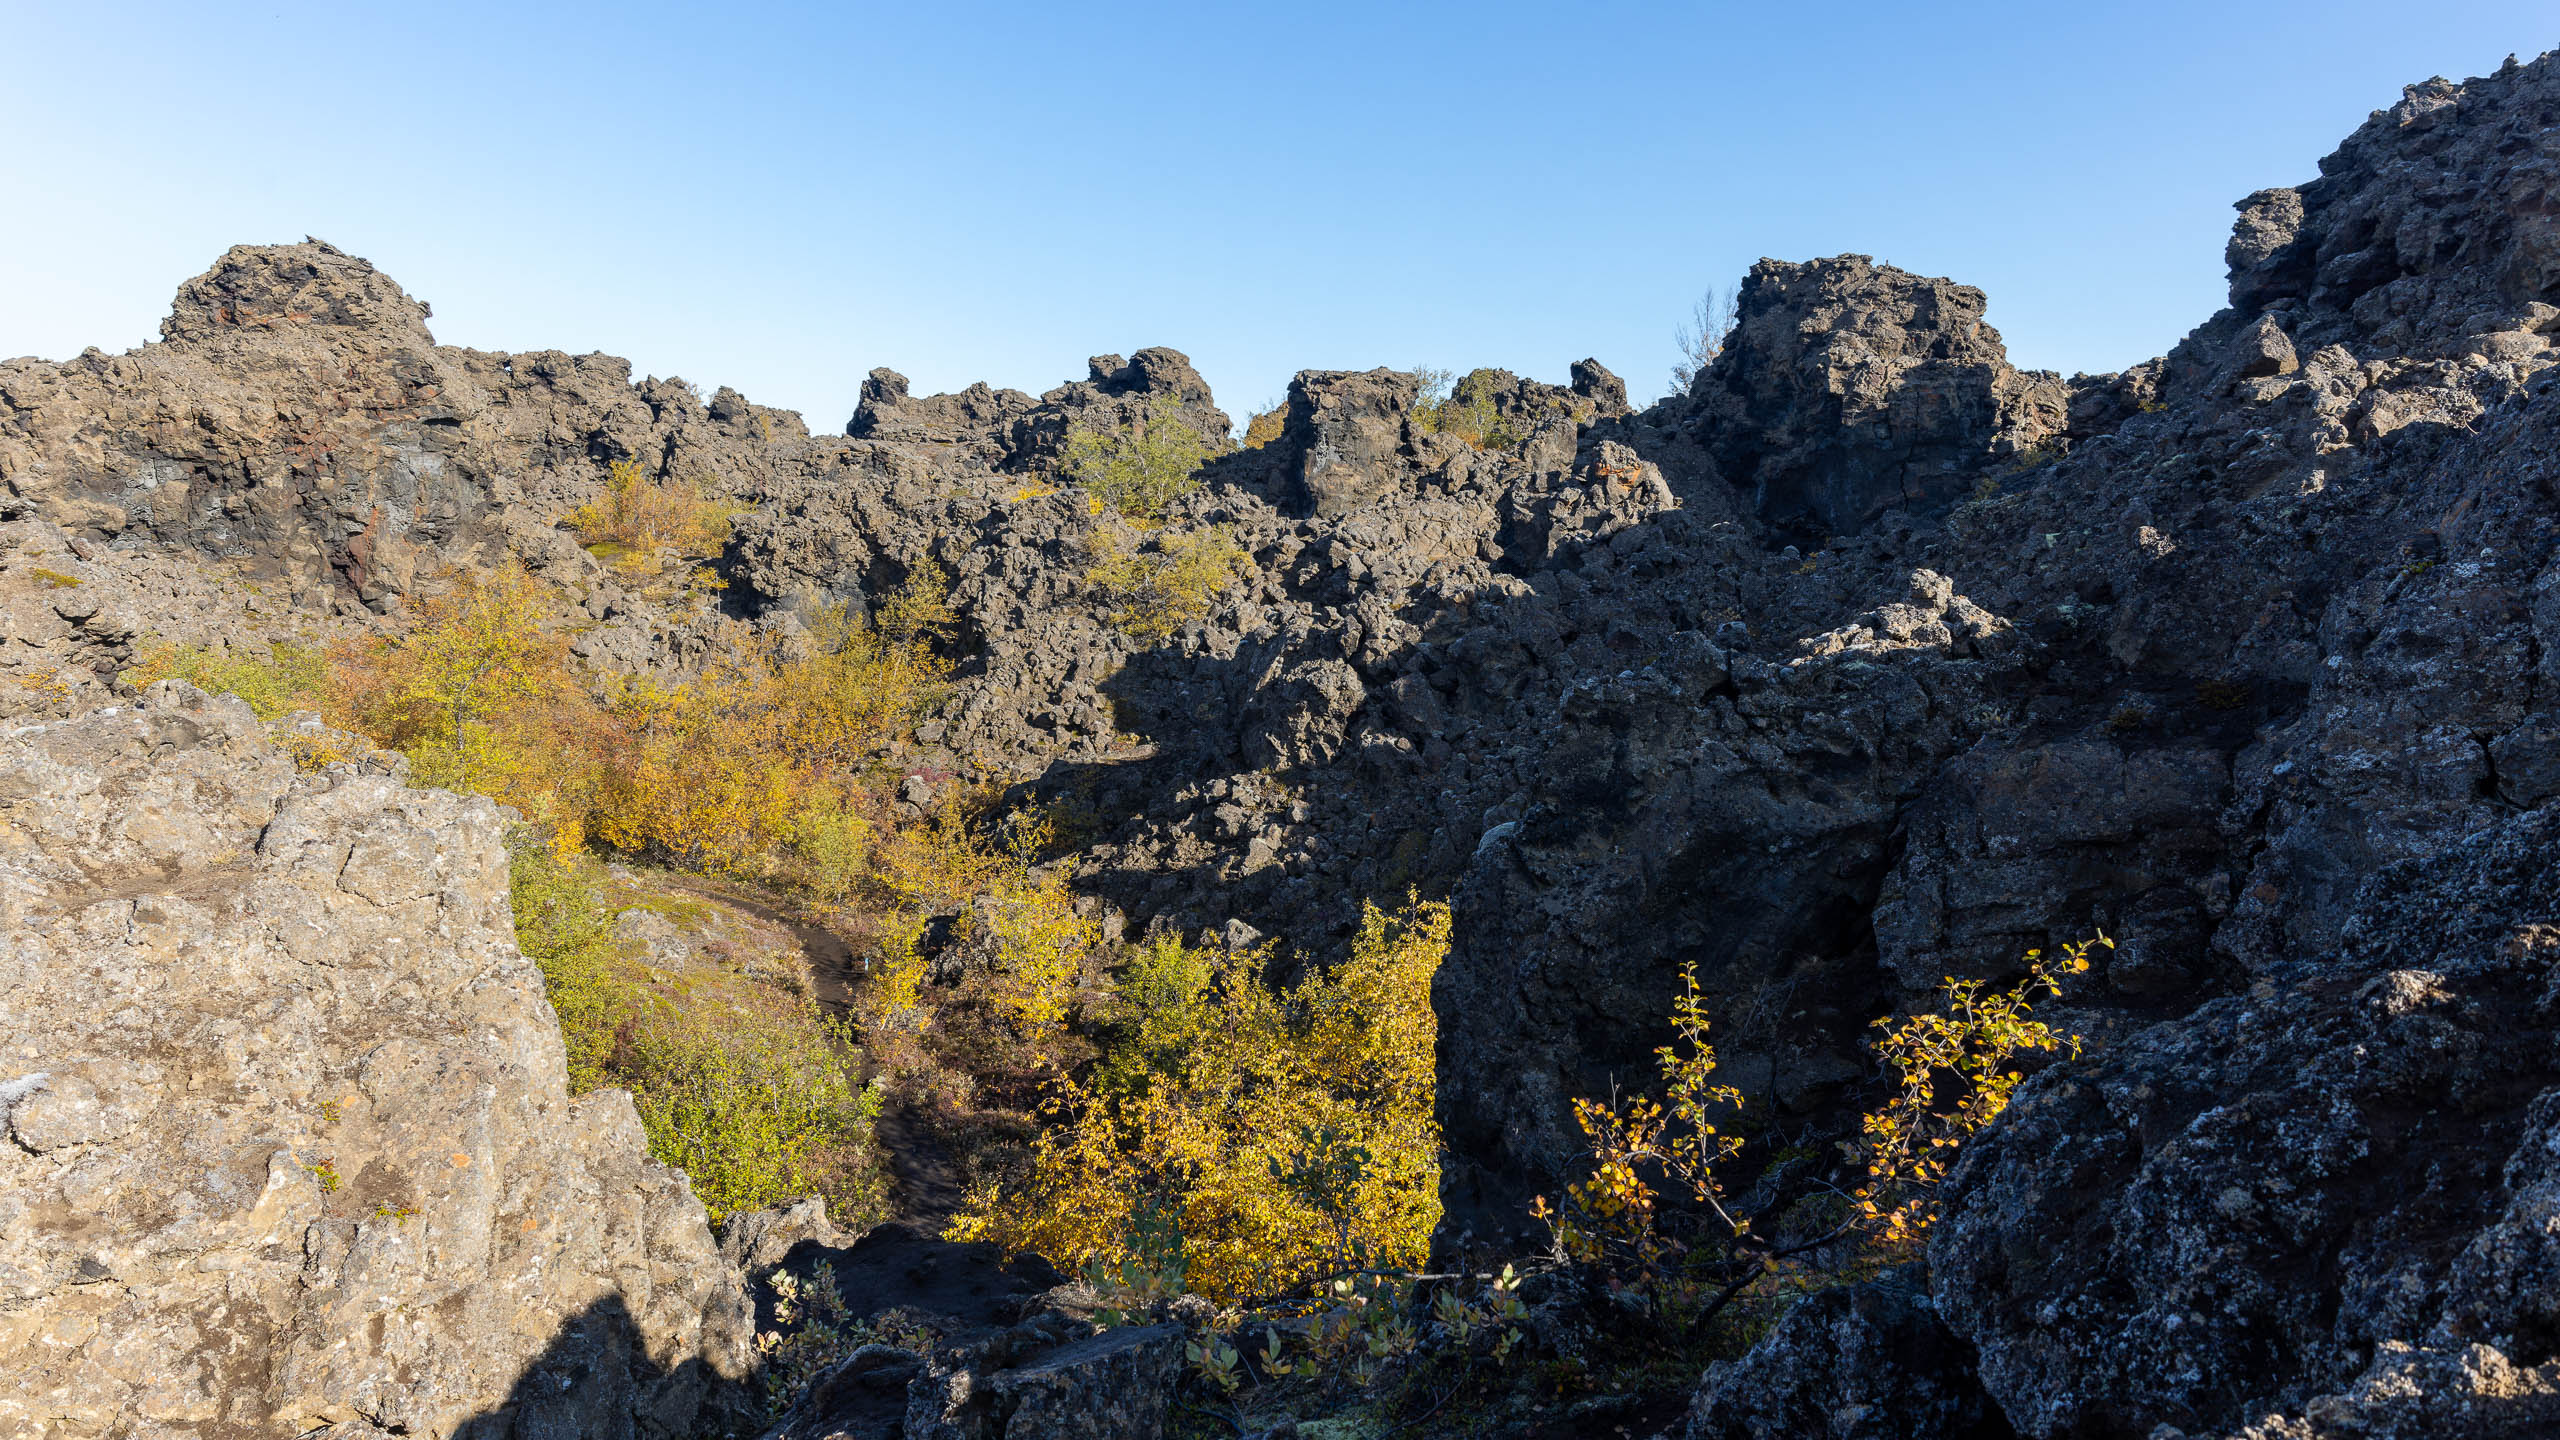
(780, 197)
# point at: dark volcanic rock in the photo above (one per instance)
(2289, 602)
(1849, 388)
(1348, 430)
(1014, 1359)
(1862, 1362)
(2351, 1170)
(1872, 660)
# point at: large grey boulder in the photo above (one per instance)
(289, 1142)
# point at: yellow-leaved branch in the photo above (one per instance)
(1255, 1139)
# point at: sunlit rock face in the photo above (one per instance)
(290, 1140)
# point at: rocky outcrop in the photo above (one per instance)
(298, 425)
(289, 1142)
(2288, 744)
(2328, 1198)
(1870, 661)
(1860, 1362)
(1849, 388)
(1008, 430)
(1348, 430)
(997, 1351)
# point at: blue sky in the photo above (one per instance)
(779, 197)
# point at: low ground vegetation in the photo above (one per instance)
(751, 1089)
(1187, 1160)
(768, 768)
(648, 527)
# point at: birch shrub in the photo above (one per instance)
(1248, 1139)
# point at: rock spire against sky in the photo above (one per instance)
(780, 197)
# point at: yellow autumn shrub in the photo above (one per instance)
(1909, 1141)
(1271, 1138)
(1040, 943)
(1024, 914)
(918, 611)
(483, 698)
(1641, 1144)
(1653, 1212)
(760, 760)
(1265, 426)
(1168, 581)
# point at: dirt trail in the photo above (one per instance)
(833, 970)
(926, 1177)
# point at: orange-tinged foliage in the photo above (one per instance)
(1616, 1218)
(1618, 1208)
(1265, 426)
(482, 698)
(759, 756)
(1025, 914)
(763, 765)
(1279, 1137)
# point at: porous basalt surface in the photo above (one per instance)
(289, 1142)
(1869, 660)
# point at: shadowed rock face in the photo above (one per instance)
(2345, 1177)
(1871, 660)
(290, 1140)
(1849, 388)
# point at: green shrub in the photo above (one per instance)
(1138, 468)
(919, 611)
(292, 678)
(758, 1115)
(1154, 999)
(1464, 407)
(760, 1105)
(563, 928)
